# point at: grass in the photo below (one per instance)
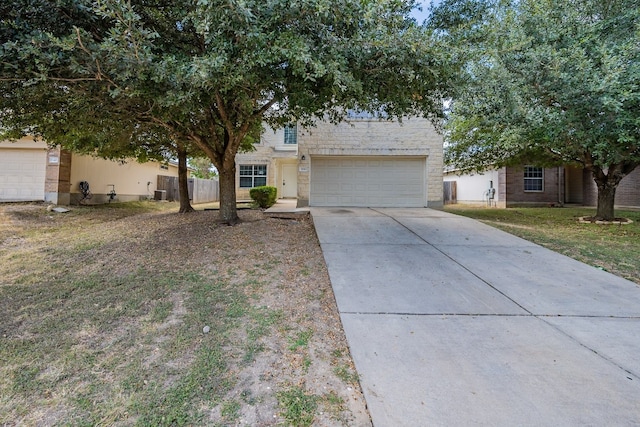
(130, 314)
(614, 248)
(59, 353)
(300, 340)
(298, 406)
(85, 342)
(346, 374)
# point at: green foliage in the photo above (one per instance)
(209, 72)
(203, 168)
(546, 83)
(264, 196)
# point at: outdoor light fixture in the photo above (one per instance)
(303, 157)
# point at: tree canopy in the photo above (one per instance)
(546, 82)
(211, 72)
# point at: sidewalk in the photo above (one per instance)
(286, 208)
(452, 322)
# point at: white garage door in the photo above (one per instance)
(368, 181)
(22, 174)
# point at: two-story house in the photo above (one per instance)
(362, 162)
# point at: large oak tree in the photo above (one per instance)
(211, 72)
(92, 125)
(546, 82)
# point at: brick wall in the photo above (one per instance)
(513, 179)
(502, 188)
(57, 186)
(627, 193)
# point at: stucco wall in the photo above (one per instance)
(132, 180)
(472, 188)
(361, 137)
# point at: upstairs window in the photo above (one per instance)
(291, 135)
(533, 179)
(253, 176)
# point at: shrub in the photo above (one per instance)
(264, 196)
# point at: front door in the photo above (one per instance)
(289, 181)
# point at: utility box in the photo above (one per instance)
(160, 195)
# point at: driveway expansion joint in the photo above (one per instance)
(439, 339)
(456, 262)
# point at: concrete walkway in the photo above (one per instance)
(451, 322)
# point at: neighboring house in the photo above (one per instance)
(535, 186)
(31, 171)
(364, 162)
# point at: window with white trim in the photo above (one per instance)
(253, 176)
(291, 135)
(533, 179)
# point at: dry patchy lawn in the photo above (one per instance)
(103, 309)
(612, 247)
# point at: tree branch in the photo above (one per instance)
(99, 74)
(223, 113)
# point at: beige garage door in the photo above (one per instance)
(22, 174)
(368, 181)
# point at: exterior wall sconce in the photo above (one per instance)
(303, 157)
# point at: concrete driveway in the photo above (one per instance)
(452, 322)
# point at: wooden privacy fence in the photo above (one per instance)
(450, 195)
(204, 190)
(200, 190)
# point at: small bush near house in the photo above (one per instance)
(264, 196)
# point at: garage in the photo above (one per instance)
(368, 181)
(22, 174)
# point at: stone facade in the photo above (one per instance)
(414, 137)
(272, 152)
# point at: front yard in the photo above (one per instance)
(135, 315)
(615, 248)
(131, 314)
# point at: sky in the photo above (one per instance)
(422, 15)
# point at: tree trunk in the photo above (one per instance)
(228, 209)
(607, 182)
(183, 182)
(223, 155)
(606, 200)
